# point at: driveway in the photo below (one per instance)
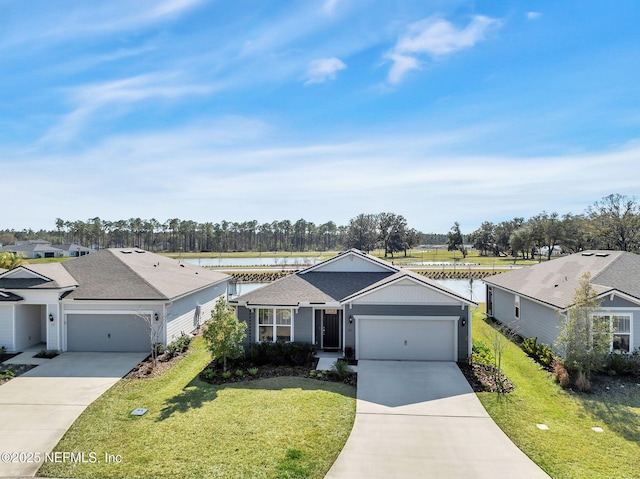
(421, 419)
(37, 408)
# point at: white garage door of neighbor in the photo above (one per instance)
(107, 333)
(411, 340)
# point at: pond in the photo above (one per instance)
(471, 289)
(274, 261)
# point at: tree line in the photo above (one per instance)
(186, 235)
(613, 223)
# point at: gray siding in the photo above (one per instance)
(411, 310)
(6, 327)
(244, 314)
(181, 314)
(303, 325)
(503, 306)
(617, 303)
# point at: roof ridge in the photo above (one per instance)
(112, 251)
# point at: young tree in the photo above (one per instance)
(455, 240)
(584, 338)
(154, 330)
(224, 333)
(10, 260)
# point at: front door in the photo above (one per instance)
(331, 331)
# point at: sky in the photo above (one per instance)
(440, 111)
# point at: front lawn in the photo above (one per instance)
(570, 448)
(272, 428)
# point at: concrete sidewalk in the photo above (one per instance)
(421, 419)
(37, 408)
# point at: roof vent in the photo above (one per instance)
(139, 251)
(602, 255)
(587, 254)
(126, 252)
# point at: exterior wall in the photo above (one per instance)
(244, 314)
(182, 316)
(617, 302)
(6, 327)
(303, 325)
(406, 292)
(413, 310)
(28, 319)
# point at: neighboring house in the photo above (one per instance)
(530, 300)
(356, 301)
(99, 302)
(73, 250)
(34, 249)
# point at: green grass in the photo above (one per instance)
(272, 428)
(569, 449)
(46, 260)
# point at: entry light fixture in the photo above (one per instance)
(463, 322)
(350, 319)
(156, 316)
(51, 317)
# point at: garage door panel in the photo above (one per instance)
(412, 340)
(107, 333)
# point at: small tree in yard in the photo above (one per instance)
(584, 338)
(224, 333)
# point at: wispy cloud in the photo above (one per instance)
(533, 15)
(90, 99)
(436, 37)
(320, 71)
(329, 6)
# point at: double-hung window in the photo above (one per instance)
(516, 305)
(274, 325)
(621, 328)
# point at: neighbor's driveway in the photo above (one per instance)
(37, 408)
(421, 419)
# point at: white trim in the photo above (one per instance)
(292, 310)
(14, 271)
(453, 319)
(612, 312)
(109, 312)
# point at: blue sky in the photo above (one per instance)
(441, 111)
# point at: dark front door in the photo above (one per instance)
(331, 331)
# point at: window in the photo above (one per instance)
(274, 325)
(517, 307)
(621, 331)
(621, 328)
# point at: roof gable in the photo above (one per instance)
(22, 272)
(407, 287)
(352, 261)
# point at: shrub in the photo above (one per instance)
(158, 349)
(7, 374)
(252, 371)
(623, 363)
(340, 368)
(239, 373)
(226, 375)
(582, 382)
(541, 353)
(3, 350)
(481, 353)
(178, 346)
(209, 374)
(293, 354)
(348, 352)
(560, 374)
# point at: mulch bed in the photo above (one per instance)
(145, 369)
(482, 378)
(4, 357)
(274, 371)
(18, 369)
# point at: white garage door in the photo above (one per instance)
(407, 339)
(107, 333)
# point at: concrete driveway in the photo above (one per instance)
(421, 419)
(37, 408)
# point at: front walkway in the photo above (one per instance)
(421, 419)
(37, 408)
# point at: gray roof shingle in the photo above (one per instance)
(556, 281)
(131, 274)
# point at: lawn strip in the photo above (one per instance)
(194, 429)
